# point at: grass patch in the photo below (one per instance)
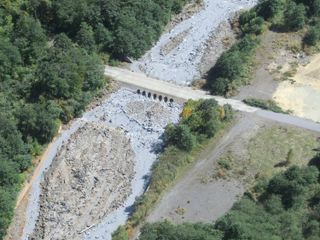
(271, 151)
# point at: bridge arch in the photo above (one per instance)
(155, 96)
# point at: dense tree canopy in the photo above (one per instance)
(51, 67)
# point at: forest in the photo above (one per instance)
(52, 54)
(233, 69)
(286, 207)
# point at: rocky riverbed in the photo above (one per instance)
(120, 135)
(90, 177)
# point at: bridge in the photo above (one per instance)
(168, 92)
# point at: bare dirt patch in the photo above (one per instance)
(89, 178)
(301, 93)
(263, 83)
(277, 58)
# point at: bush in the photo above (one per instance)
(233, 67)
(251, 23)
(269, 9)
(313, 36)
(180, 136)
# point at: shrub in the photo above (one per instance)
(268, 9)
(233, 67)
(264, 104)
(313, 36)
(180, 136)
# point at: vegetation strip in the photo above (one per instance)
(264, 104)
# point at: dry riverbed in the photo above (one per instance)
(179, 54)
(89, 178)
(96, 168)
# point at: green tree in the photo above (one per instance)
(270, 8)
(180, 136)
(6, 211)
(8, 174)
(295, 16)
(313, 36)
(120, 234)
(38, 122)
(85, 37)
(30, 38)
(10, 58)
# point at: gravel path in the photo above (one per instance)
(181, 64)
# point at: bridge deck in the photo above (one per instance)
(141, 81)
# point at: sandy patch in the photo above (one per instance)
(301, 94)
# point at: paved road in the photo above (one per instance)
(143, 82)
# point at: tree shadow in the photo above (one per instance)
(157, 147)
(281, 164)
(315, 161)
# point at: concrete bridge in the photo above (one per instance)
(155, 88)
(168, 92)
